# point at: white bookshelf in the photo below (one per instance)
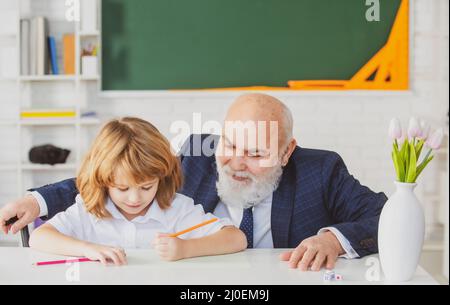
(20, 168)
(89, 33)
(44, 167)
(47, 78)
(58, 122)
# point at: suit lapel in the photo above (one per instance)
(282, 206)
(209, 196)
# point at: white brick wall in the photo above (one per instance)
(353, 124)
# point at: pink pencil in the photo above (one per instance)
(65, 261)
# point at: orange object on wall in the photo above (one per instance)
(390, 65)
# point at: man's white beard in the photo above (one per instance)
(245, 195)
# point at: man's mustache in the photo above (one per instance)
(240, 174)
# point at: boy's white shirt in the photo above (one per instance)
(117, 231)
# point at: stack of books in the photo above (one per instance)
(38, 49)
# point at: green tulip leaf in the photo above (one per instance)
(419, 147)
(422, 166)
(411, 176)
(406, 158)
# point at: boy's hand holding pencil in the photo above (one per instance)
(172, 248)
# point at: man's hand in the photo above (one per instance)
(316, 251)
(26, 209)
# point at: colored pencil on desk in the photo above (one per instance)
(194, 227)
(64, 261)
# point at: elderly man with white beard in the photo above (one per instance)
(279, 194)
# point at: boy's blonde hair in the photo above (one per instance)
(137, 148)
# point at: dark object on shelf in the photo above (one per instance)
(48, 154)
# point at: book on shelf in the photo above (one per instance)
(42, 65)
(34, 51)
(69, 54)
(48, 114)
(32, 47)
(53, 55)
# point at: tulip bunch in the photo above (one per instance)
(407, 148)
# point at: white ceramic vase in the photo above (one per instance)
(401, 233)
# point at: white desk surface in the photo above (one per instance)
(256, 267)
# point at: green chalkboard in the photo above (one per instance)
(196, 44)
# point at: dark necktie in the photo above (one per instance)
(247, 226)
